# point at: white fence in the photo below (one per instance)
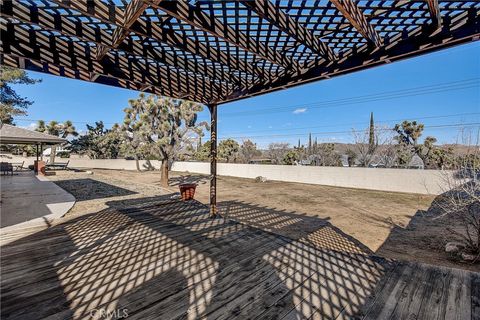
(397, 180)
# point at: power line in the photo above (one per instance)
(423, 90)
(415, 91)
(455, 125)
(364, 122)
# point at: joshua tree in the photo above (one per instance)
(11, 103)
(409, 132)
(291, 157)
(162, 125)
(228, 149)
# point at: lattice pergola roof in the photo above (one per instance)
(218, 51)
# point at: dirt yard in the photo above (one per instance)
(393, 225)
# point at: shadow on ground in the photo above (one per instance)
(90, 189)
(164, 257)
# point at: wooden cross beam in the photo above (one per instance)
(422, 41)
(112, 15)
(35, 45)
(56, 22)
(358, 20)
(197, 18)
(275, 15)
(14, 61)
(434, 10)
(132, 12)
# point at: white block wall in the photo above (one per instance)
(397, 180)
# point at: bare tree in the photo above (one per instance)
(461, 198)
(382, 151)
(362, 147)
(248, 151)
(276, 151)
(385, 150)
(327, 156)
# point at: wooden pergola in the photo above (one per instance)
(215, 52)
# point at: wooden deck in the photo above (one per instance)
(164, 259)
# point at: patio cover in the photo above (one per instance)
(214, 52)
(14, 135)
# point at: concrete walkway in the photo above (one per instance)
(29, 200)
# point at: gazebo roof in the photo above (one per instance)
(14, 135)
(220, 51)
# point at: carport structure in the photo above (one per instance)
(215, 52)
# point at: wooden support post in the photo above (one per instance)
(213, 160)
(38, 156)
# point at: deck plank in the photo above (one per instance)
(168, 259)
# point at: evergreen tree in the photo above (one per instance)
(371, 136)
(11, 103)
(309, 143)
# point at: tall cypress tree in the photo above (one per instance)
(371, 137)
(309, 143)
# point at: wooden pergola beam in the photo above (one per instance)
(162, 53)
(275, 15)
(357, 19)
(464, 29)
(16, 61)
(434, 10)
(35, 45)
(197, 18)
(58, 23)
(131, 13)
(113, 15)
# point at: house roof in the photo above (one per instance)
(15, 135)
(221, 51)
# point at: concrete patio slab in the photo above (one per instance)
(29, 200)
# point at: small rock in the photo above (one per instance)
(88, 172)
(468, 257)
(260, 179)
(454, 247)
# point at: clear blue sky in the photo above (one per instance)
(427, 88)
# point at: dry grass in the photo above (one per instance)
(394, 225)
